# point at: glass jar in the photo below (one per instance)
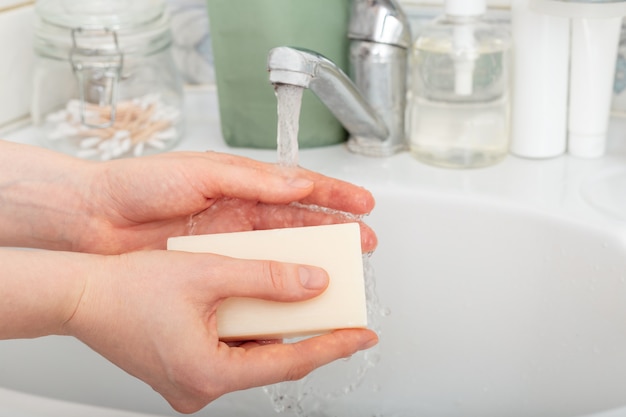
(105, 84)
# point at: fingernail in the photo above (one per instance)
(300, 182)
(313, 278)
(370, 343)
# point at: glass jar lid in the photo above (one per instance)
(111, 14)
(129, 26)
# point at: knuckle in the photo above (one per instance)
(275, 271)
(301, 368)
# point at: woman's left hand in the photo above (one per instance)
(138, 204)
(54, 201)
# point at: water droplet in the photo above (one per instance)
(191, 225)
(306, 393)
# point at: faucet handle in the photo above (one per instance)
(379, 21)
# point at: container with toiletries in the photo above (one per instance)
(105, 84)
(460, 98)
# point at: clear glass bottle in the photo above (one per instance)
(460, 99)
(105, 84)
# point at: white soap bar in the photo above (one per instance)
(336, 248)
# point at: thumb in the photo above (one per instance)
(268, 280)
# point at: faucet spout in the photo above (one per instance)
(332, 86)
(371, 104)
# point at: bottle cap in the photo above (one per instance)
(465, 7)
(112, 14)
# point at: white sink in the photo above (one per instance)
(506, 291)
(498, 311)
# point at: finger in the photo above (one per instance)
(336, 194)
(233, 216)
(216, 175)
(276, 217)
(248, 183)
(328, 192)
(341, 196)
(253, 365)
(269, 280)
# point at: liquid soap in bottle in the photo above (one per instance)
(460, 104)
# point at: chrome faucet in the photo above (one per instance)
(371, 108)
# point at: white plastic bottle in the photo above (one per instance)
(594, 54)
(540, 87)
(460, 101)
(596, 26)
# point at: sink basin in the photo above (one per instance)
(501, 302)
(498, 311)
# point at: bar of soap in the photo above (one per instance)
(336, 248)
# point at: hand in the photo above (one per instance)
(54, 201)
(138, 204)
(153, 314)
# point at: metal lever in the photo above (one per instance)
(98, 72)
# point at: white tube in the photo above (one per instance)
(540, 87)
(594, 52)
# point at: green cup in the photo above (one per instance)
(242, 33)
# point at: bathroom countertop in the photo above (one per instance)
(552, 186)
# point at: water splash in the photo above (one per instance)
(191, 225)
(309, 396)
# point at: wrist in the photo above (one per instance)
(43, 289)
(44, 198)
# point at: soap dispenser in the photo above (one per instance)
(460, 100)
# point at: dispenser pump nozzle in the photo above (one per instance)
(464, 43)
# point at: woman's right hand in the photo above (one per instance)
(152, 313)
